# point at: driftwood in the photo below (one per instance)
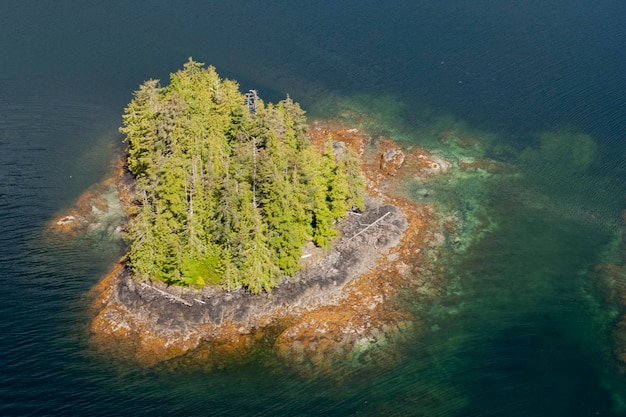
(376, 221)
(168, 295)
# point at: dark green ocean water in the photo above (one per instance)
(520, 330)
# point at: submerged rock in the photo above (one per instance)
(97, 210)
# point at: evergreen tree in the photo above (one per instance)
(223, 196)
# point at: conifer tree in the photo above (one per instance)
(224, 196)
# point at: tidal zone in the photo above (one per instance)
(406, 267)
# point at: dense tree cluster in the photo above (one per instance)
(224, 196)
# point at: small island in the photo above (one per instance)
(247, 226)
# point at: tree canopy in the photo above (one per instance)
(225, 196)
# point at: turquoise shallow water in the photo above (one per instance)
(520, 329)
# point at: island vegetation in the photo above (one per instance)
(223, 197)
(224, 194)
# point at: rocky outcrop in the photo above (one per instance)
(391, 161)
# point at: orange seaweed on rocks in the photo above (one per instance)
(87, 212)
(353, 327)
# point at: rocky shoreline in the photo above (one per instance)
(163, 322)
(340, 309)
